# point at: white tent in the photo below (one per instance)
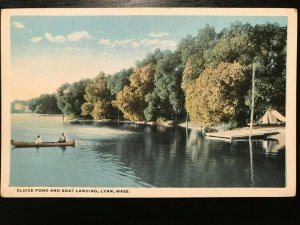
(271, 117)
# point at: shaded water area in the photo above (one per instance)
(131, 155)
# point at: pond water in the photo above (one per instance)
(130, 155)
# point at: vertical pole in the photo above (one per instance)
(186, 127)
(252, 183)
(252, 102)
(118, 117)
(63, 118)
(186, 121)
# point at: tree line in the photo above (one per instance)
(208, 78)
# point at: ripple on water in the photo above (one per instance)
(139, 156)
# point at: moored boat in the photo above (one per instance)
(43, 144)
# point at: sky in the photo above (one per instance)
(48, 51)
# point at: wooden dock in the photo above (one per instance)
(241, 134)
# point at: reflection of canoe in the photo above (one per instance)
(43, 144)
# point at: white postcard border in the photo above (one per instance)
(92, 192)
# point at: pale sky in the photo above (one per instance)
(47, 51)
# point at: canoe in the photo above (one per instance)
(43, 144)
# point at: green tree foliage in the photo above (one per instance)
(87, 108)
(187, 48)
(234, 45)
(44, 104)
(117, 81)
(193, 68)
(98, 99)
(70, 97)
(217, 95)
(206, 38)
(200, 44)
(194, 51)
(167, 98)
(61, 94)
(151, 58)
(131, 100)
(155, 108)
(270, 47)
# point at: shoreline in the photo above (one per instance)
(278, 129)
(267, 132)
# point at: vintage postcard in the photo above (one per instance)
(148, 102)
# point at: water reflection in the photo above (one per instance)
(131, 155)
(251, 163)
(272, 146)
(174, 157)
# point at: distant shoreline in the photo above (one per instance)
(54, 115)
(38, 114)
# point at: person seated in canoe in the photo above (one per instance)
(63, 138)
(38, 139)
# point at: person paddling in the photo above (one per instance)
(63, 138)
(38, 139)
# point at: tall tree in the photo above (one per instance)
(61, 95)
(270, 47)
(200, 44)
(206, 38)
(150, 58)
(194, 51)
(44, 104)
(131, 100)
(98, 99)
(167, 98)
(187, 48)
(218, 94)
(70, 97)
(118, 80)
(235, 45)
(193, 68)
